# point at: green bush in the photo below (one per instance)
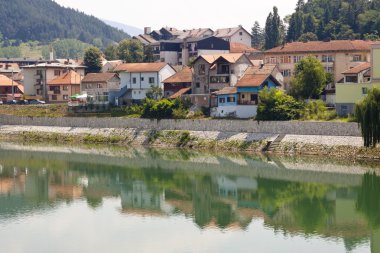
(317, 110)
(276, 105)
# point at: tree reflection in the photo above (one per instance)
(369, 199)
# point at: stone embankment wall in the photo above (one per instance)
(240, 126)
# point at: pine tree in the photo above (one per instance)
(274, 30)
(93, 60)
(257, 36)
(269, 43)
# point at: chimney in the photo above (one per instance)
(51, 54)
(147, 30)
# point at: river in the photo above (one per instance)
(111, 199)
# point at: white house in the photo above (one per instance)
(235, 35)
(137, 78)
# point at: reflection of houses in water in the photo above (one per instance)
(136, 197)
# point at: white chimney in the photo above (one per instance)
(147, 30)
(51, 54)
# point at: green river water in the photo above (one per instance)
(108, 199)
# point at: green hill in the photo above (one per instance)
(45, 21)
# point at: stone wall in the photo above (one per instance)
(241, 126)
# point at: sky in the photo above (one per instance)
(182, 14)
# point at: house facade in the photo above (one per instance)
(212, 73)
(37, 77)
(357, 82)
(63, 87)
(101, 86)
(335, 55)
(10, 89)
(179, 81)
(136, 79)
(109, 66)
(235, 35)
(242, 100)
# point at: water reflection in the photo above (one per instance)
(226, 193)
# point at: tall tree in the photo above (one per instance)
(269, 43)
(148, 54)
(310, 78)
(367, 113)
(93, 60)
(131, 51)
(111, 52)
(257, 36)
(274, 30)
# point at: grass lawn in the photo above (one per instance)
(35, 110)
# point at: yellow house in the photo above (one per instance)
(357, 82)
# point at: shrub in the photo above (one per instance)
(317, 110)
(276, 105)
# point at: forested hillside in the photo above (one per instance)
(335, 19)
(45, 21)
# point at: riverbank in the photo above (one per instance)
(347, 147)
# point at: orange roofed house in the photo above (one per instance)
(6, 86)
(179, 82)
(63, 87)
(335, 55)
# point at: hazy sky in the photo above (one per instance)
(182, 14)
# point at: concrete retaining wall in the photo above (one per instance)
(242, 126)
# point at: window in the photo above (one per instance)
(273, 60)
(222, 100)
(57, 72)
(65, 97)
(364, 91)
(254, 99)
(327, 58)
(55, 89)
(242, 96)
(65, 87)
(329, 70)
(357, 58)
(201, 69)
(100, 86)
(351, 79)
(286, 59)
(297, 58)
(142, 79)
(286, 73)
(231, 99)
(241, 33)
(39, 72)
(197, 85)
(223, 69)
(134, 80)
(151, 80)
(54, 97)
(219, 79)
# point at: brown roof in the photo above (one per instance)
(141, 67)
(236, 47)
(98, 77)
(227, 32)
(69, 78)
(254, 80)
(357, 69)
(183, 76)
(322, 46)
(226, 91)
(10, 66)
(5, 81)
(180, 93)
(231, 58)
(194, 33)
(265, 69)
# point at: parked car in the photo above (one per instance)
(11, 102)
(37, 102)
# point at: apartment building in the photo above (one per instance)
(37, 77)
(335, 55)
(101, 87)
(63, 87)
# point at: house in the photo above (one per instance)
(37, 77)
(63, 87)
(241, 101)
(9, 69)
(10, 89)
(138, 78)
(357, 82)
(177, 82)
(101, 87)
(235, 34)
(335, 55)
(109, 66)
(212, 73)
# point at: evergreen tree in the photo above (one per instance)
(257, 36)
(269, 43)
(93, 60)
(274, 30)
(131, 51)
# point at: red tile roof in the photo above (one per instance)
(98, 77)
(180, 93)
(69, 78)
(226, 91)
(183, 76)
(254, 80)
(357, 69)
(231, 58)
(236, 47)
(6, 81)
(321, 46)
(140, 67)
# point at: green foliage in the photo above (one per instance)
(367, 113)
(111, 52)
(93, 60)
(162, 109)
(45, 21)
(154, 92)
(274, 30)
(10, 52)
(317, 110)
(275, 105)
(67, 48)
(148, 54)
(308, 37)
(131, 51)
(310, 78)
(258, 36)
(369, 199)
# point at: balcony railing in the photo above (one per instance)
(245, 102)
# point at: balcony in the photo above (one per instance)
(246, 102)
(220, 79)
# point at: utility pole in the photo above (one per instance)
(13, 90)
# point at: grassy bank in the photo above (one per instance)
(55, 111)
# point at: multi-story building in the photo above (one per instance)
(215, 72)
(101, 86)
(10, 89)
(138, 78)
(357, 82)
(37, 77)
(64, 86)
(235, 35)
(335, 55)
